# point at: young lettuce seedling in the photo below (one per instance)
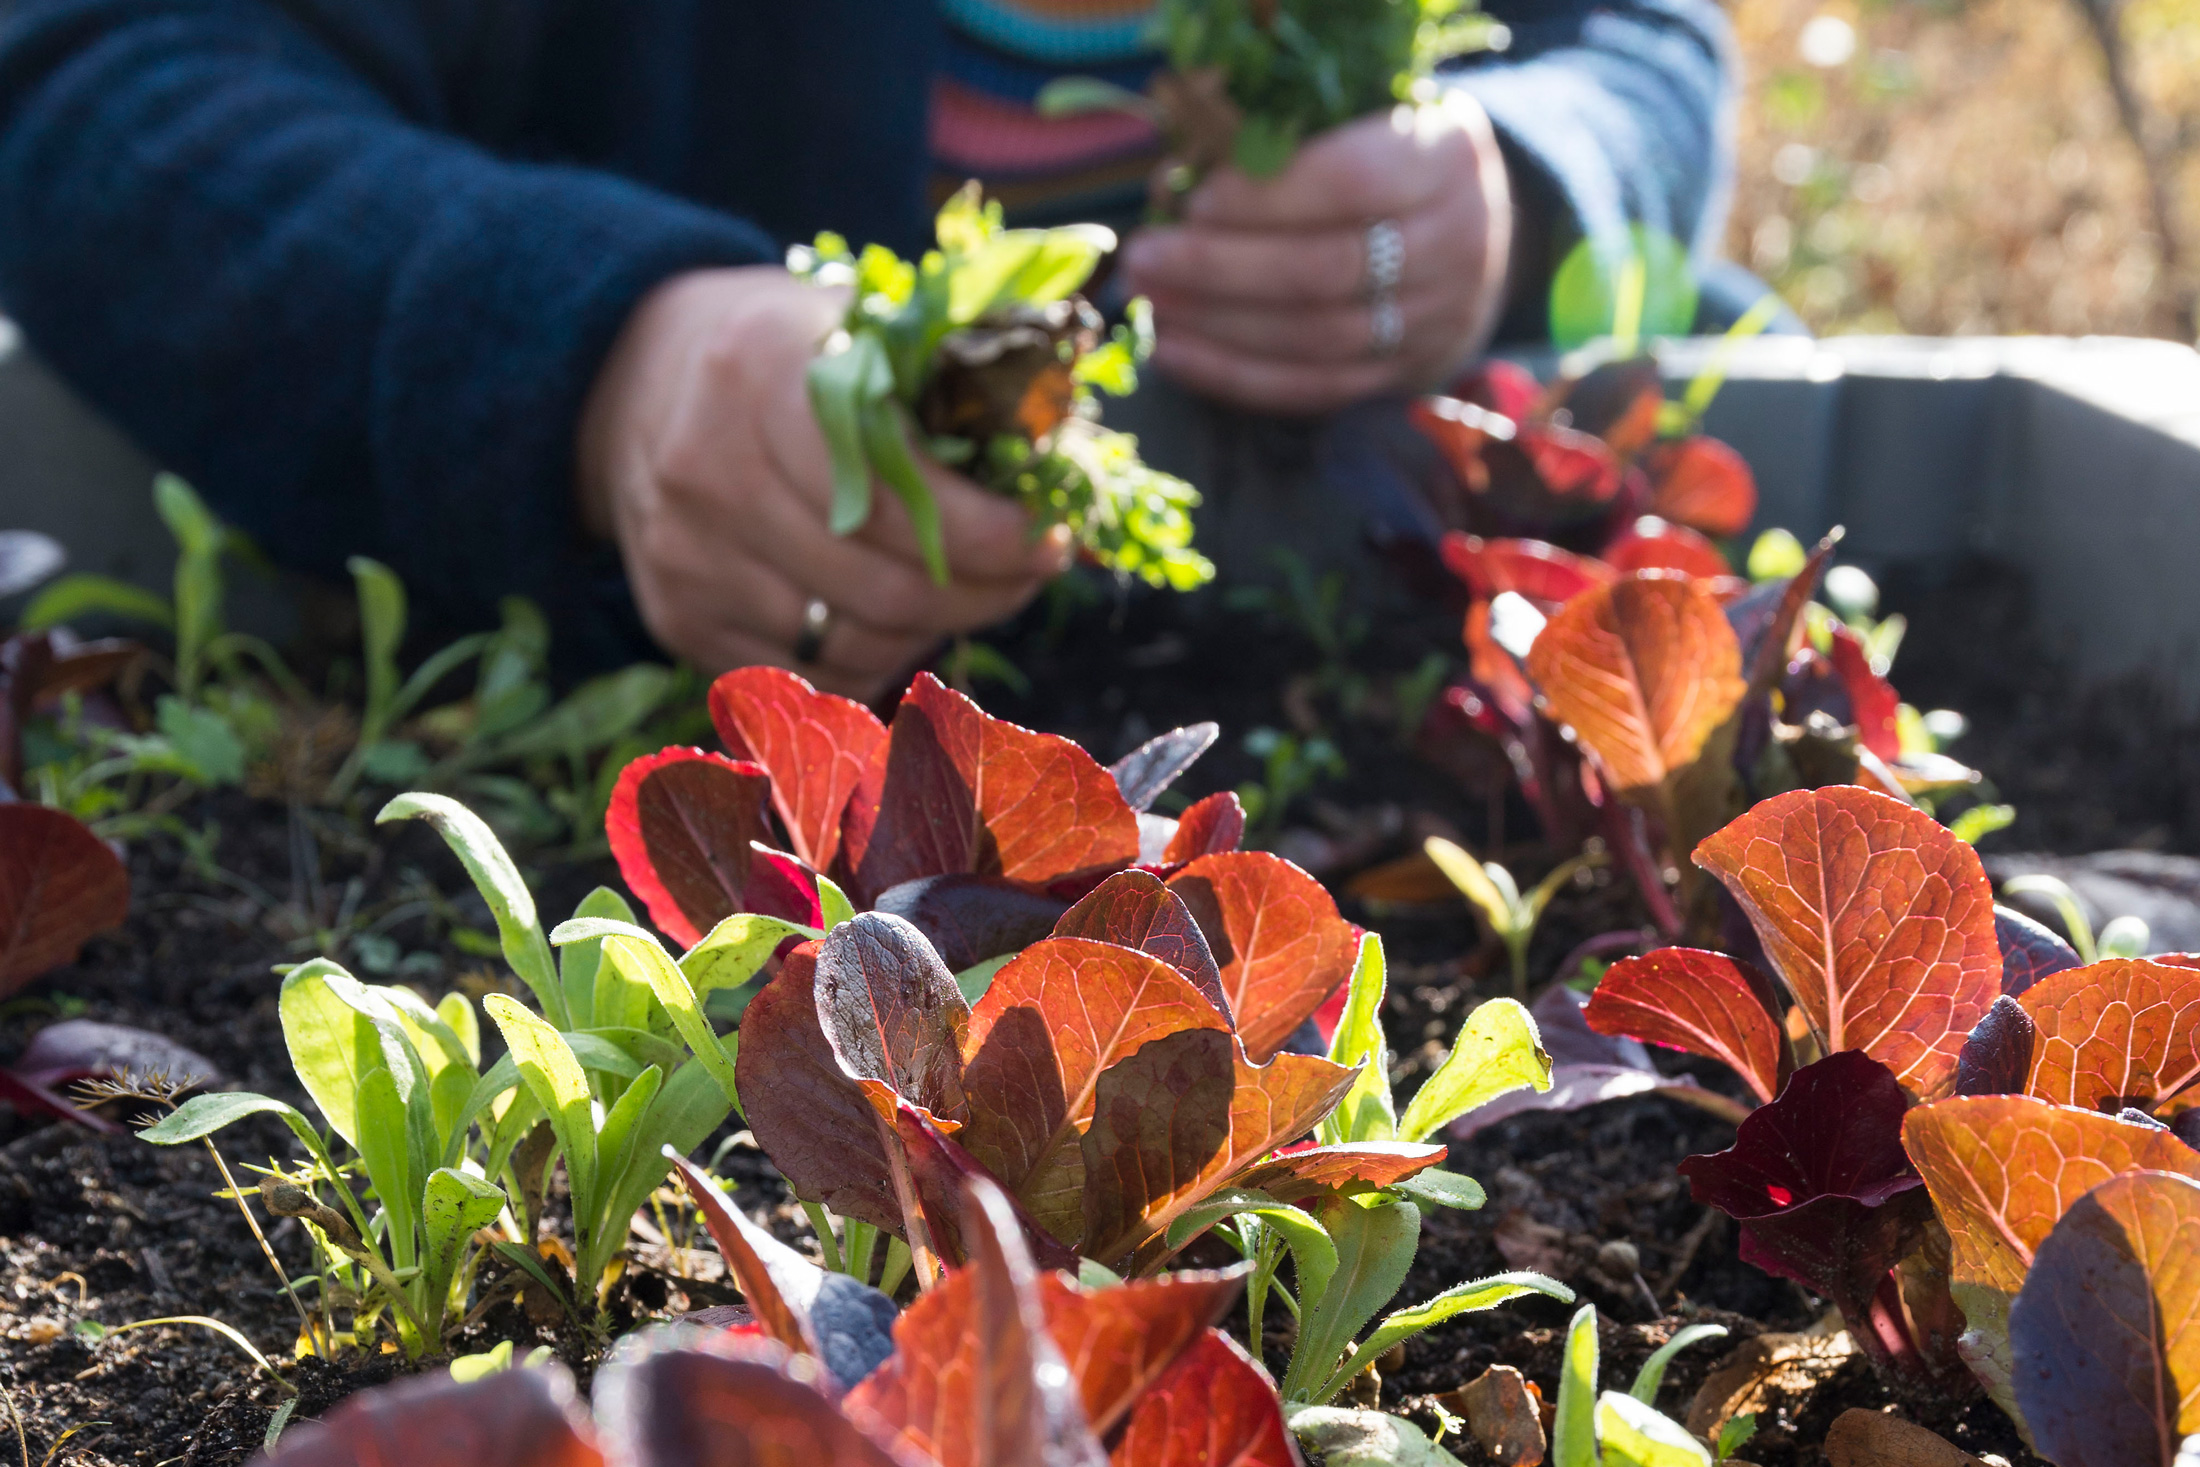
(1491, 888)
(984, 351)
(1351, 1253)
(1628, 1430)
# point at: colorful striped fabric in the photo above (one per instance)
(1044, 170)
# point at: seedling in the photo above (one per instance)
(1627, 1430)
(1350, 1253)
(2120, 937)
(983, 354)
(1491, 890)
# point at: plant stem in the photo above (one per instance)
(305, 1320)
(821, 1223)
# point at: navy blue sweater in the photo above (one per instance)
(351, 265)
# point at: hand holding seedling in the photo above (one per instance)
(700, 455)
(1262, 296)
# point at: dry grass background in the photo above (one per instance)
(1966, 169)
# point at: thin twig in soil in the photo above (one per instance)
(1684, 1257)
(7, 1399)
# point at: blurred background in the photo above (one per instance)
(1970, 167)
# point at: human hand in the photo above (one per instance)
(699, 455)
(1261, 296)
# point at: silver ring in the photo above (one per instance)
(1386, 326)
(817, 620)
(1386, 257)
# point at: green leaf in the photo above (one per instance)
(457, 1011)
(580, 962)
(1574, 1426)
(1438, 1188)
(530, 1263)
(1467, 1298)
(978, 977)
(203, 1115)
(736, 950)
(1736, 1434)
(554, 1076)
(1475, 883)
(1498, 1051)
(615, 1145)
(840, 383)
(637, 955)
(593, 714)
(381, 633)
(685, 1111)
(1777, 556)
(1367, 1112)
(454, 1206)
(1348, 1437)
(333, 1047)
(638, 1045)
(1375, 1247)
(1586, 291)
(833, 905)
(1981, 821)
(1634, 1435)
(200, 538)
(498, 881)
(1264, 145)
(1070, 96)
(886, 441)
(203, 742)
(385, 1146)
(1652, 1374)
(74, 597)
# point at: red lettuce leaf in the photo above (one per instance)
(806, 1112)
(1652, 544)
(682, 825)
(1703, 484)
(1645, 670)
(975, 1379)
(1133, 909)
(1148, 770)
(1502, 387)
(1879, 921)
(514, 1418)
(1873, 703)
(1997, 1053)
(2123, 1031)
(682, 1398)
(1210, 827)
(1545, 574)
(966, 792)
(968, 919)
(1275, 933)
(1696, 1001)
(2030, 951)
(1295, 1176)
(1118, 1342)
(1161, 1120)
(2105, 1333)
(1058, 1017)
(1619, 401)
(942, 1173)
(59, 885)
(893, 1016)
(845, 1323)
(818, 749)
(1213, 1407)
(1819, 1181)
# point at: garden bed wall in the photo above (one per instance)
(2076, 460)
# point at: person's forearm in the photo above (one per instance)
(358, 333)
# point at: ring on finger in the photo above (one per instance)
(1386, 326)
(817, 620)
(1386, 258)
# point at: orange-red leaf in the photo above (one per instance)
(1880, 922)
(968, 792)
(1294, 1176)
(1214, 1408)
(1057, 1016)
(1277, 936)
(2123, 1031)
(1119, 1341)
(513, 1418)
(1703, 484)
(1211, 826)
(817, 748)
(682, 824)
(1644, 669)
(1653, 544)
(59, 884)
(679, 1399)
(1692, 1000)
(2002, 1170)
(1543, 573)
(1874, 706)
(1133, 909)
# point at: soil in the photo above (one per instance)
(108, 1230)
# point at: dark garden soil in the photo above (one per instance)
(109, 1230)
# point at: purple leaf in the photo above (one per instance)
(1997, 1057)
(1146, 771)
(2030, 951)
(968, 919)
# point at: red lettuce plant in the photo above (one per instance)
(1111, 1076)
(999, 1364)
(979, 831)
(59, 885)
